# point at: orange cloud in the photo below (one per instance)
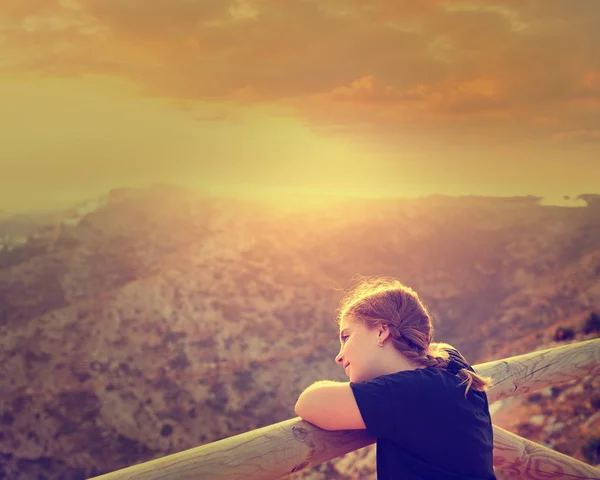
(584, 135)
(490, 68)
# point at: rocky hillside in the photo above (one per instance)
(157, 320)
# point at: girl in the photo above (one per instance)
(422, 401)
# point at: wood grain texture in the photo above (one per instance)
(533, 371)
(524, 459)
(266, 453)
(277, 450)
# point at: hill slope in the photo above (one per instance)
(160, 320)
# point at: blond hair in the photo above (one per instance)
(386, 301)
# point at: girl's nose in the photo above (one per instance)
(338, 358)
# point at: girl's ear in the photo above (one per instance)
(384, 333)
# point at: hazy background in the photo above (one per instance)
(344, 97)
(143, 313)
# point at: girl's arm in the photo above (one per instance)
(330, 406)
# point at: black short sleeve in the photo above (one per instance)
(394, 403)
(373, 400)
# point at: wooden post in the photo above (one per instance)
(533, 371)
(526, 459)
(277, 450)
(266, 453)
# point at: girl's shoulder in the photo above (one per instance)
(432, 382)
(424, 377)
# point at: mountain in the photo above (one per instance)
(16, 228)
(155, 320)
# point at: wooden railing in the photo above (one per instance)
(277, 450)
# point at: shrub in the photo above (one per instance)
(180, 362)
(564, 333)
(535, 397)
(591, 450)
(554, 391)
(592, 324)
(243, 381)
(166, 430)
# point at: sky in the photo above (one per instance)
(338, 97)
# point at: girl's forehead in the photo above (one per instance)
(347, 323)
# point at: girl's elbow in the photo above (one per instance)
(302, 407)
(299, 407)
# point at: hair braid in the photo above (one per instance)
(419, 355)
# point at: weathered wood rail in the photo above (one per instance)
(277, 450)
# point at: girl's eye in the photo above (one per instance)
(344, 337)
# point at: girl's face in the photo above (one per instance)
(358, 351)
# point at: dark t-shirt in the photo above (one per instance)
(425, 427)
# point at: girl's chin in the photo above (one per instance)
(359, 378)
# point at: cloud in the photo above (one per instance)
(218, 118)
(488, 68)
(584, 135)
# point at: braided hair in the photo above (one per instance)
(386, 301)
